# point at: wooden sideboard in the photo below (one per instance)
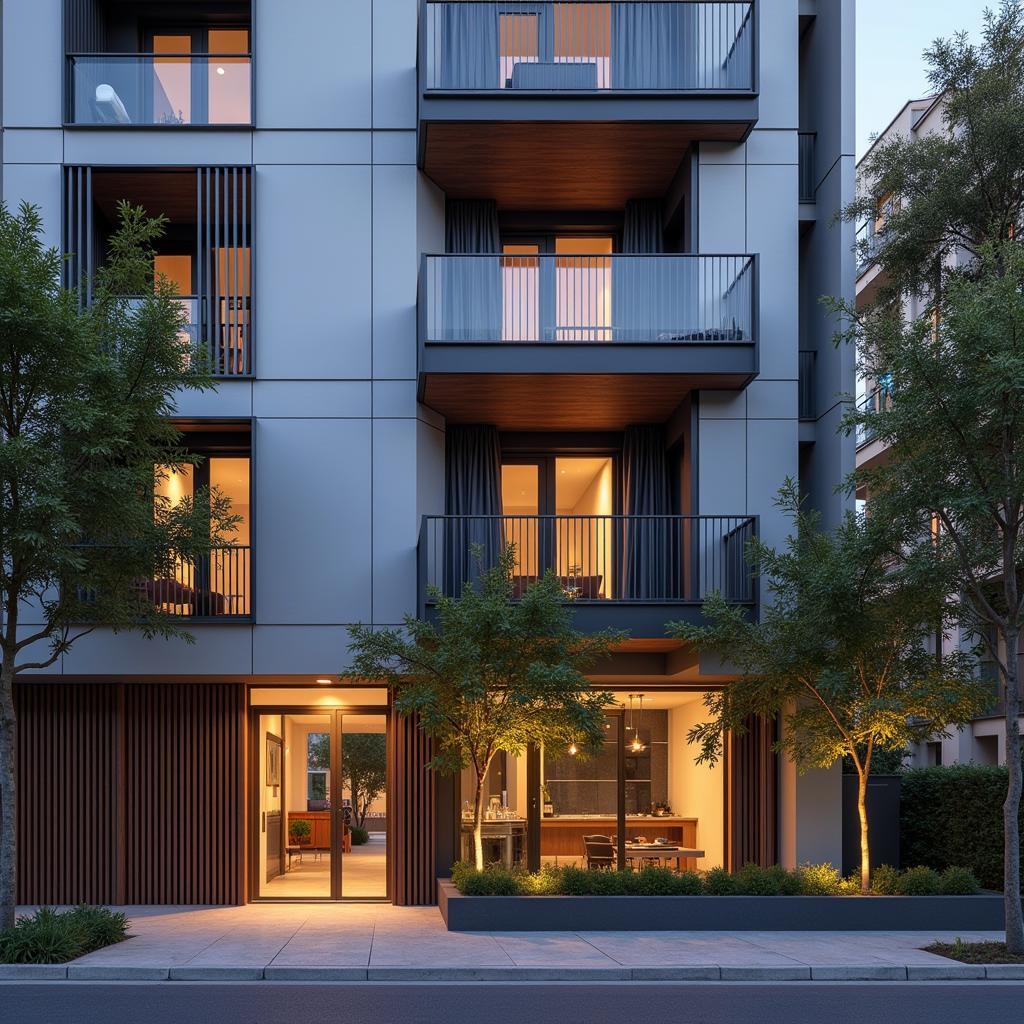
(563, 836)
(320, 822)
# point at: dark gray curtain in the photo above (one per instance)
(653, 46)
(472, 494)
(471, 289)
(650, 561)
(469, 46)
(635, 282)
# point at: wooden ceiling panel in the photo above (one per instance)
(567, 165)
(562, 401)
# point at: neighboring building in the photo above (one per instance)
(470, 272)
(984, 739)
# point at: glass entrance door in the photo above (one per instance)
(321, 804)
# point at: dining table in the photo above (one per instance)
(661, 851)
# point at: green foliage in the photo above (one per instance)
(299, 831)
(52, 937)
(494, 674)
(751, 880)
(883, 762)
(952, 815)
(364, 768)
(360, 837)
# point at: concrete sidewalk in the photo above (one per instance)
(379, 942)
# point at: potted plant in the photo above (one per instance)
(299, 832)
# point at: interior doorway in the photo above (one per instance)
(320, 803)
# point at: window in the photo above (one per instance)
(318, 767)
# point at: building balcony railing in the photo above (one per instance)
(164, 90)
(636, 572)
(216, 586)
(878, 400)
(699, 46)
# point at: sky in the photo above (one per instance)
(892, 35)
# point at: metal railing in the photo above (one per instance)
(878, 400)
(807, 142)
(588, 299)
(869, 241)
(159, 89)
(579, 45)
(227, 351)
(629, 559)
(213, 586)
(807, 404)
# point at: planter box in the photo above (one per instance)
(717, 913)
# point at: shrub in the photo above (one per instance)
(919, 881)
(718, 882)
(360, 837)
(959, 882)
(952, 816)
(687, 883)
(52, 937)
(753, 880)
(820, 880)
(884, 880)
(494, 880)
(299, 831)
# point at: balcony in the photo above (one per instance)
(218, 586)
(159, 90)
(629, 572)
(534, 342)
(521, 101)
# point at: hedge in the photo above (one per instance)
(953, 815)
(53, 937)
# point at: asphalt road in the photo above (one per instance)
(511, 1003)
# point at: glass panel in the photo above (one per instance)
(172, 80)
(583, 36)
(519, 43)
(364, 798)
(579, 802)
(583, 501)
(520, 285)
(293, 777)
(228, 77)
(230, 561)
(505, 807)
(520, 502)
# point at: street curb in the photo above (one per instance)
(33, 972)
(869, 972)
(272, 973)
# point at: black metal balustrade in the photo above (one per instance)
(534, 299)
(164, 89)
(878, 401)
(596, 559)
(807, 403)
(807, 169)
(213, 586)
(696, 46)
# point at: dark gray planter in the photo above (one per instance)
(718, 913)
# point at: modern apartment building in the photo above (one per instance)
(471, 273)
(984, 739)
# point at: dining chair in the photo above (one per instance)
(599, 851)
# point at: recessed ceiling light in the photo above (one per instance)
(324, 682)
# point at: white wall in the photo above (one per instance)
(696, 791)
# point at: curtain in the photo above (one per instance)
(471, 287)
(636, 285)
(472, 491)
(653, 46)
(650, 561)
(469, 46)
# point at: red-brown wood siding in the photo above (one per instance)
(752, 796)
(131, 793)
(412, 810)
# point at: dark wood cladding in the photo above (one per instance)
(131, 793)
(69, 799)
(412, 813)
(83, 26)
(752, 796)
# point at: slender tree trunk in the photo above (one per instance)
(8, 795)
(862, 813)
(1011, 808)
(478, 822)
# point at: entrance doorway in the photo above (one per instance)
(320, 803)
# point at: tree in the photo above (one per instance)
(85, 396)
(364, 767)
(955, 424)
(494, 674)
(841, 649)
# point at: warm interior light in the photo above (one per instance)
(573, 749)
(220, 71)
(324, 682)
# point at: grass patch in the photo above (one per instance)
(808, 880)
(975, 952)
(54, 937)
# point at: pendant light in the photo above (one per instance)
(636, 745)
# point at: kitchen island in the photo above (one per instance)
(561, 836)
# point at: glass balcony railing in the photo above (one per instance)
(596, 559)
(671, 45)
(530, 299)
(159, 89)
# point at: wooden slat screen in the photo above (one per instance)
(412, 809)
(752, 796)
(131, 793)
(68, 807)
